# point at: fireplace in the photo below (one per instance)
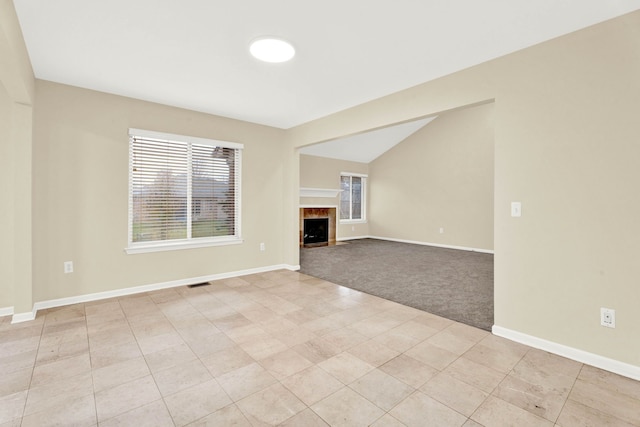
(316, 230)
(317, 226)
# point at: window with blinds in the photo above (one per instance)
(352, 197)
(183, 191)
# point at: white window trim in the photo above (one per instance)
(170, 137)
(160, 246)
(141, 248)
(353, 221)
(363, 220)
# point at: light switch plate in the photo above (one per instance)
(516, 209)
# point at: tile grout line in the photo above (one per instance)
(144, 356)
(93, 385)
(573, 384)
(233, 402)
(33, 368)
(126, 316)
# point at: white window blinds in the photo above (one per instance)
(182, 189)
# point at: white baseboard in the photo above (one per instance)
(6, 311)
(611, 365)
(343, 239)
(23, 317)
(437, 245)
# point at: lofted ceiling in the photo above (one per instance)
(366, 147)
(194, 53)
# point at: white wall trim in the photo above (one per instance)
(611, 365)
(319, 192)
(163, 136)
(437, 245)
(162, 246)
(356, 174)
(24, 317)
(6, 311)
(41, 305)
(319, 207)
(342, 239)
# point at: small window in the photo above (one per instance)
(184, 192)
(352, 197)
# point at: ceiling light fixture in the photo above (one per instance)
(270, 49)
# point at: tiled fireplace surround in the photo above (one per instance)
(319, 212)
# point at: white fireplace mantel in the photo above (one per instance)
(319, 192)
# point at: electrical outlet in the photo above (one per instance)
(608, 317)
(262, 247)
(441, 230)
(68, 267)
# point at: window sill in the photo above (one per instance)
(162, 247)
(353, 221)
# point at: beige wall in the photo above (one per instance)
(16, 74)
(81, 193)
(566, 146)
(441, 176)
(323, 172)
(16, 99)
(6, 208)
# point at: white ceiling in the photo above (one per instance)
(194, 53)
(366, 147)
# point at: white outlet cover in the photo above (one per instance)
(608, 317)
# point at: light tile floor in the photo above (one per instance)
(282, 348)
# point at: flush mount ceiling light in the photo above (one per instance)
(270, 49)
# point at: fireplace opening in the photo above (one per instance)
(316, 230)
